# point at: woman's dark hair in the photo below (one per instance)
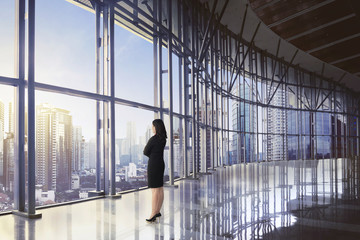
(160, 128)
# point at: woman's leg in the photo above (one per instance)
(160, 198)
(154, 201)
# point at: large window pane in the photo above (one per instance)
(65, 45)
(323, 147)
(292, 122)
(7, 38)
(134, 68)
(7, 148)
(176, 81)
(292, 147)
(133, 130)
(65, 148)
(178, 147)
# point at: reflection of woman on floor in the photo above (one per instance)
(154, 149)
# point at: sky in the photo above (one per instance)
(65, 56)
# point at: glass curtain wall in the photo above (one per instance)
(105, 71)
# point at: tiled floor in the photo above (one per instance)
(276, 200)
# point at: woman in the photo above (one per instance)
(154, 149)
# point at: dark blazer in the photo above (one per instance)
(154, 149)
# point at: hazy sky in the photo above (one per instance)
(65, 56)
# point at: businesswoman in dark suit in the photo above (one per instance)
(154, 149)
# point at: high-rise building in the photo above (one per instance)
(277, 127)
(2, 119)
(78, 149)
(245, 121)
(92, 153)
(53, 148)
(8, 165)
(86, 155)
(148, 134)
(11, 118)
(131, 137)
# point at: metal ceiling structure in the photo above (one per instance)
(326, 29)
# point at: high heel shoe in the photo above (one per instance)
(158, 215)
(153, 219)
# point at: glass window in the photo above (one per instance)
(292, 122)
(7, 148)
(134, 68)
(65, 148)
(178, 147)
(65, 44)
(292, 147)
(306, 123)
(7, 38)
(133, 130)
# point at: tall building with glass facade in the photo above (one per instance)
(54, 148)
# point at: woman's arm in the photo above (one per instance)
(148, 147)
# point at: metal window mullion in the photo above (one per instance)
(251, 106)
(105, 103)
(206, 110)
(199, 125)
(31, 108)
(112, 106)
(238, 122)
(221, 96)
(335, 125)
(212, 103)
(186, 93)
(170, 92)
(155, 62)
(217, 43)
(298, 118)
(98, 118)
(243, 90)
(159, 55)
(256, 110)
(186, 112)
(181, 103)
(19, 168)
(228, 98)
(358, 136)
(193, 135)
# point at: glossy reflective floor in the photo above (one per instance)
(276, 200)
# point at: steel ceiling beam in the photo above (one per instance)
(320, 27)
(333, 43)
(266, 5)
(301, 13)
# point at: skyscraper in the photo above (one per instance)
(92, 153)
(245, 121)
(2, 119)
(78, 149)
(277, 128)
(53, 148)
(131, 137)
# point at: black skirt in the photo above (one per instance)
(155, 171)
